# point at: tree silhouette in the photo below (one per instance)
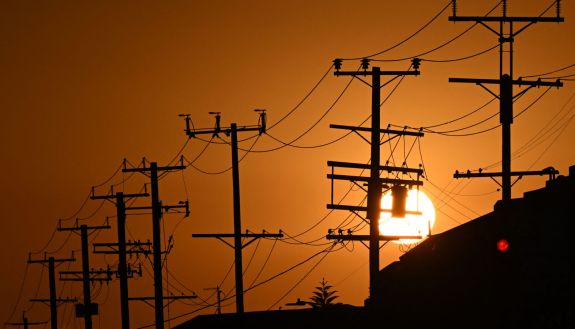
(323, 296)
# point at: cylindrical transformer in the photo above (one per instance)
(399, 197)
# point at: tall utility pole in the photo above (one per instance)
(120, 198)
(53, 300)
(157, 208)
(237, 235)
(87, 309)
(374, 182)
(25, 323)
(506, 35)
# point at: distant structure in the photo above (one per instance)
(511, 268)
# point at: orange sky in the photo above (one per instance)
(85, 85)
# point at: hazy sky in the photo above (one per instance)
(84, 85)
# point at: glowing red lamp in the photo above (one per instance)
(502, 245)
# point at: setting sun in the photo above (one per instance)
(418, 220)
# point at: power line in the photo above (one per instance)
(562, 129)
(21, 290)
(547, 73)
(297, 106)
(460, 58)
(302, 278)
(284, 144)
(256, 277)
(440, 46)
(406, 39)
(461, 117)
(248, 151)
(290, 112)
(329, 109)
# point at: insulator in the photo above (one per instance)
(337, 63)
(365, 63)
(262, 120)
(416, 62)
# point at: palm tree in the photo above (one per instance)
(323, 296)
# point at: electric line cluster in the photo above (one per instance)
(446, 198)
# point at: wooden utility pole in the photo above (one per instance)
(53, 300)
(120, 203)
(506, 35)
(237, 235)
(157, 209)
(87, 309)
(374, 181)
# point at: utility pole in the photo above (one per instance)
(374, 183)
(25, 323)
(218, 298)
(120, 198)
(157, 208)
(53, 300)
(87, 309)
(506, 35)
(237, 235)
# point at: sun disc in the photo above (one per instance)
(412, 224)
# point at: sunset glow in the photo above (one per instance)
(411, 224)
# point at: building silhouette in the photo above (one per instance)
(510, 268)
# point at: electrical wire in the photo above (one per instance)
(460, 58)
(562, 129)
(248, 151)
(298, 105)
(408, 38)
(290, 112)
(302, 278)
(448, 132)
(284, 144)
(330, 108)
(463, 116)
(441, 45)
(548, 73)
(245, 270)
(546, 131)
(256, 277)
(20, 291)
(37, 290)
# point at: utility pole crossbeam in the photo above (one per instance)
(95, 275)
(157, 208)
(25, 323)
(547, 171)
(506, 35)
(232, 131)
(132, 248)
(88, 308)
(53, 300)
(170, 299)
(123, 271)
(238, 247)
(252, 236)
(364, 237)
(374, 182)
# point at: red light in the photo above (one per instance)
(502, 245)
